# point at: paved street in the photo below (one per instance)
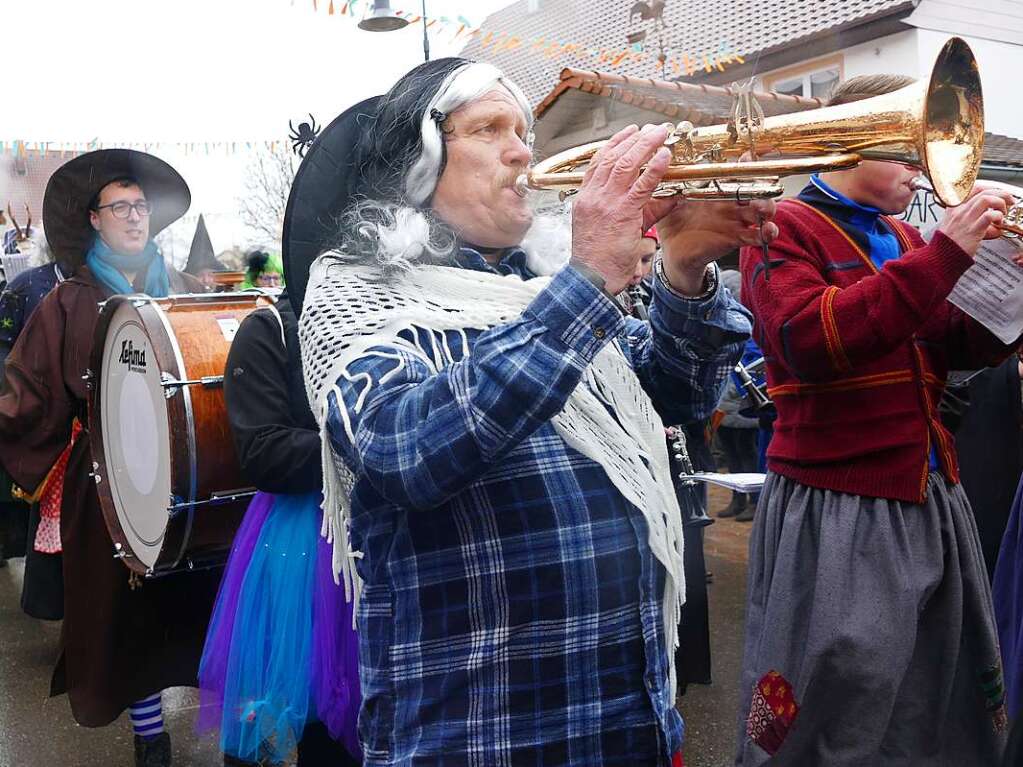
(37, 731)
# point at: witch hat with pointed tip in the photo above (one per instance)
(201, 256)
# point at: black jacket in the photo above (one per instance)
(274, 431)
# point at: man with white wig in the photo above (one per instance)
(497, 483)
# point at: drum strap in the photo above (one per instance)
(280, 324)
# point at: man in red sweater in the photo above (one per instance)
(869, 630)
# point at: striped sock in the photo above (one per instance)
(147, 717)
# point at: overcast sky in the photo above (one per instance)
(199, 71)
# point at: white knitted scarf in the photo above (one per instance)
(608, 418)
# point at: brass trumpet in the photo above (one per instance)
(936, 126)
(1012, 223)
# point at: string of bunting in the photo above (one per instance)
(686, 63)
(65, 149)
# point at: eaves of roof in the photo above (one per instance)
(668, 97)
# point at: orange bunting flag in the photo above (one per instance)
(686, 63)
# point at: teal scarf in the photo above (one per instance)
(108, 267)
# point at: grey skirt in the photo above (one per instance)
(870, 636)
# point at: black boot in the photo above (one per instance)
(735, 507)
(265, 760)
(153, 753)
(748, 512)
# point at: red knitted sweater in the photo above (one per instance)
(857, 358)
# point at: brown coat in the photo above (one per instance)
(118, 645)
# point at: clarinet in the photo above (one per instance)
(637, 299)
(693, 513)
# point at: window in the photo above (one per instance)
(812, 80)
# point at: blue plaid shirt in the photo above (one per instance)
(512, 612)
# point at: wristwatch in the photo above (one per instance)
(710, 281)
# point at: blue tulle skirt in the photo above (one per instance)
(280, 651)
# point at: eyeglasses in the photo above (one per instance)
(122, 209)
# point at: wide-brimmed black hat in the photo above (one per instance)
(77, 182)
(324, 187)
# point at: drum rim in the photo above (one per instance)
(122, 546)
(186, 393)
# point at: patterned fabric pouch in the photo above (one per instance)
(48, 533)
(772, 712)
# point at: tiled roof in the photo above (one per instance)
(1003, 150)
(744, 27)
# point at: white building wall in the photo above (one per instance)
(894, 54)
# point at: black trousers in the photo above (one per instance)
(42, 590)
(13, 529)
(740, 448)
(318, 749)
(692, 659)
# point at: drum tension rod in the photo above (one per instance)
(207, 382)
(179, 505)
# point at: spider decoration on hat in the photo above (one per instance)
(303, 138)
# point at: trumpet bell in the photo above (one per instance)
(953, 126)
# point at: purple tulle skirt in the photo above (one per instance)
(280, 651)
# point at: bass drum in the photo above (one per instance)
(164, 462)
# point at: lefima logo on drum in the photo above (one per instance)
(134, 358)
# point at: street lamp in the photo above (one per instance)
(382, 19)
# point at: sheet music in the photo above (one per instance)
(991, 291)
(740, 483)
(13, 264)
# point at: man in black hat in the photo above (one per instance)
(499, 491)
(121, 645)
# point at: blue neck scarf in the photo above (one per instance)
(884, 245)
(108, 267)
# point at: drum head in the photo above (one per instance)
(136, 442)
